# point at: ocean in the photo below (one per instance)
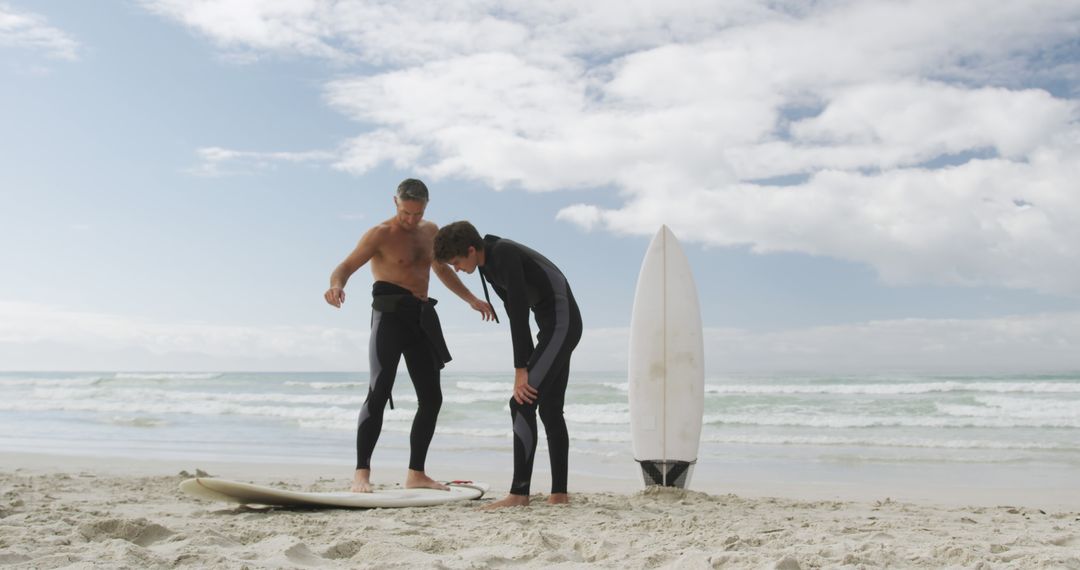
(965, 424)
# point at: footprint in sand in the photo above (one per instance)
(137, 531)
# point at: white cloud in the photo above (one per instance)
(295, 25)
(368, 151)
(918, 134)
(30, 31)
(410, 32)
(217, 161)
(36, 337)
(989, 222)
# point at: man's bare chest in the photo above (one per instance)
(408, 253)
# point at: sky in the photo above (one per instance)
(859, 185)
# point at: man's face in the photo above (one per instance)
(466, 263)
(409, 212)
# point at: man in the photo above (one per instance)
(403, 322)
(526, 280)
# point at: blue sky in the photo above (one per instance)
(871, 185)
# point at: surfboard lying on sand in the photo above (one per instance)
(248, 494)
(666, 368)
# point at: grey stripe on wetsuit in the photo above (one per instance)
(374, 366)
(543, 364)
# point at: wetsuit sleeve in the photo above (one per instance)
(516, 303)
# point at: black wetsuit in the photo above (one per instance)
(402, 324)
(526, 280)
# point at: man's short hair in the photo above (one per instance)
(412, 189)
(453, 240)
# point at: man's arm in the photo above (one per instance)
(365, 250)
(450, 279)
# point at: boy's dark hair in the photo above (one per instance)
(453, 240)
(412, 189)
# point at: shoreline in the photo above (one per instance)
(928, 485)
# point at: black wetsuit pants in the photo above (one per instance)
(559, 323)
(393, 334)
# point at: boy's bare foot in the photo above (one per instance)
(558, 499)
(419, 480)
(509, 501)
(361, 482)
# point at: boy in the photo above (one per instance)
(526, 280)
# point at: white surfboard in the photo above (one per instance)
(248, 494)
(666, 368)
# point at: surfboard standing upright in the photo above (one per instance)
(667, 369)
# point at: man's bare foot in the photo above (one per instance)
(558, 499)
(361, 482)
(509, 501)
(419, 480)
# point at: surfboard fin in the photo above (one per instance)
(667, 473)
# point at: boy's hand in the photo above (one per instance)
(523, 393)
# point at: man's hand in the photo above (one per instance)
(335, 296)
(484, 308)
(523, 393)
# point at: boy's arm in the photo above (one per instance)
(517, 303)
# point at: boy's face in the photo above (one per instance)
(466, 263)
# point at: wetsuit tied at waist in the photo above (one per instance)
(390, 298)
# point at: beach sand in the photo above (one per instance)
(63, 512)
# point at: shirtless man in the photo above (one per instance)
(403, 322)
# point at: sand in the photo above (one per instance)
(128, 514)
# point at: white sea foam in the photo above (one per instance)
(136, 421)
(886, 442)
(198, 408)
(1006, 407)
(611, 453)
(74, 381)
(507, 433)
(404, 395)
(167, 375)
(897, 389)
(339, 424)
(182, 400)
(488, 391)
(397, 420)
(601, 436)
(67, 393)
(501, 387)
(866, 421)
(620, 386)
(148, 394)
(504, 433)
(329, 385)
(597, 413)
(329, 400)
(474, 398)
